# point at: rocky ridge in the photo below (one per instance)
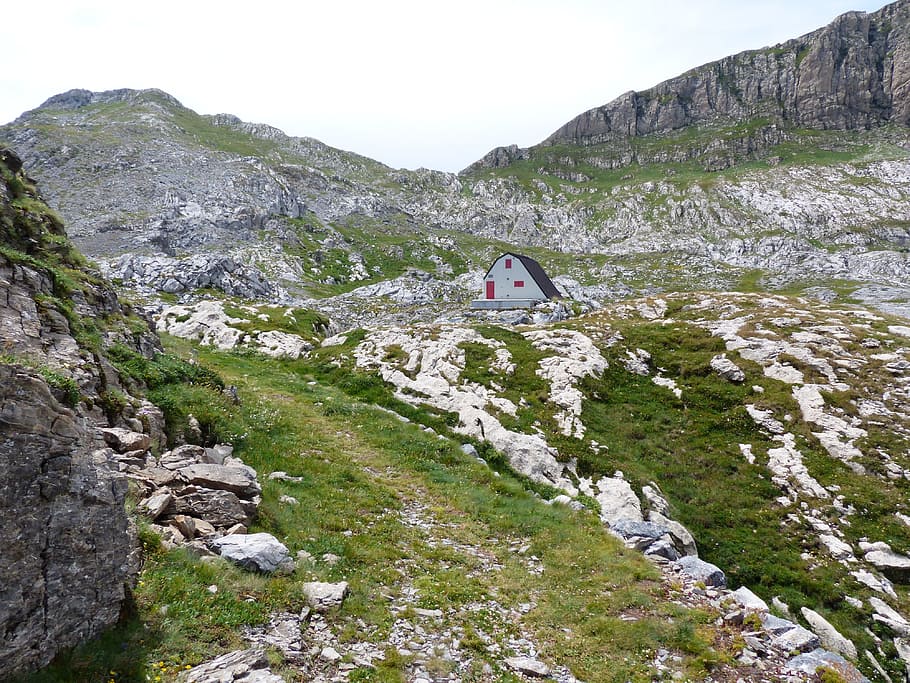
(851, 74)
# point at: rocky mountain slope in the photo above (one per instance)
(447, 496)
(786, 169)
(852, 74)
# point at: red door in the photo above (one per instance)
(491, 289)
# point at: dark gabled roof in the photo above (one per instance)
(535, 270)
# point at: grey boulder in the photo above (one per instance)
(810, 662)
(528, 666)
(125, 440)
(257, 552)
(699, 570)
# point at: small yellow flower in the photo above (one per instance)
(187, 667)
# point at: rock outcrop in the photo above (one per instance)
(67, 542)
(851, 74)
(68, 547)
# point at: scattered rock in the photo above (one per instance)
(156, 504)
(182, 456)
(222, 509)
(727, 369)
(240, 666)
(749, 600)
(890, 617)
(330, 654)
(617, 501)
(810, 662)
(125, 440)
(830, 637)
(683, 540)
(903, 651)
(893, 565)
(325, 596)
(235, 479)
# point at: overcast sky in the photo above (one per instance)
(410, 83)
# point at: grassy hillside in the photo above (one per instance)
(365, 474)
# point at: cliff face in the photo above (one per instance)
(66, 538)
(68, 545)
(853, 73)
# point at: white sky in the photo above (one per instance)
(410, 83)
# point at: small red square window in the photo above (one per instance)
(519, 283)
(508, 263)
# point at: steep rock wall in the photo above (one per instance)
(853, 73)
(68, 548)
(67, 542)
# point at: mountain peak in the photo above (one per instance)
(79, 97)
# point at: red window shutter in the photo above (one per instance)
(519, 283)
(508, 263)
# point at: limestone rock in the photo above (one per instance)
(682, 538)
(893, 565)
(124, 440)
(797, 638)
(235, 479)
(799, 76)
(325, 596)
(220, 508)
(837, 548)
(240, 666)
(182, 456)
(67, 543)
(890, 617)
(788, 635)
(617, 500)
(282, 344)
(749, 600)
(903, 650)
(197, 271)
(830, 637)
(810, 662)
(528, 666)
(647, 537)
(699, 570)
(157, 503)
(727, 369)
(257, 552)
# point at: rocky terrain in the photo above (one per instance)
(784, 168)
(779, 464)
(339, 473)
